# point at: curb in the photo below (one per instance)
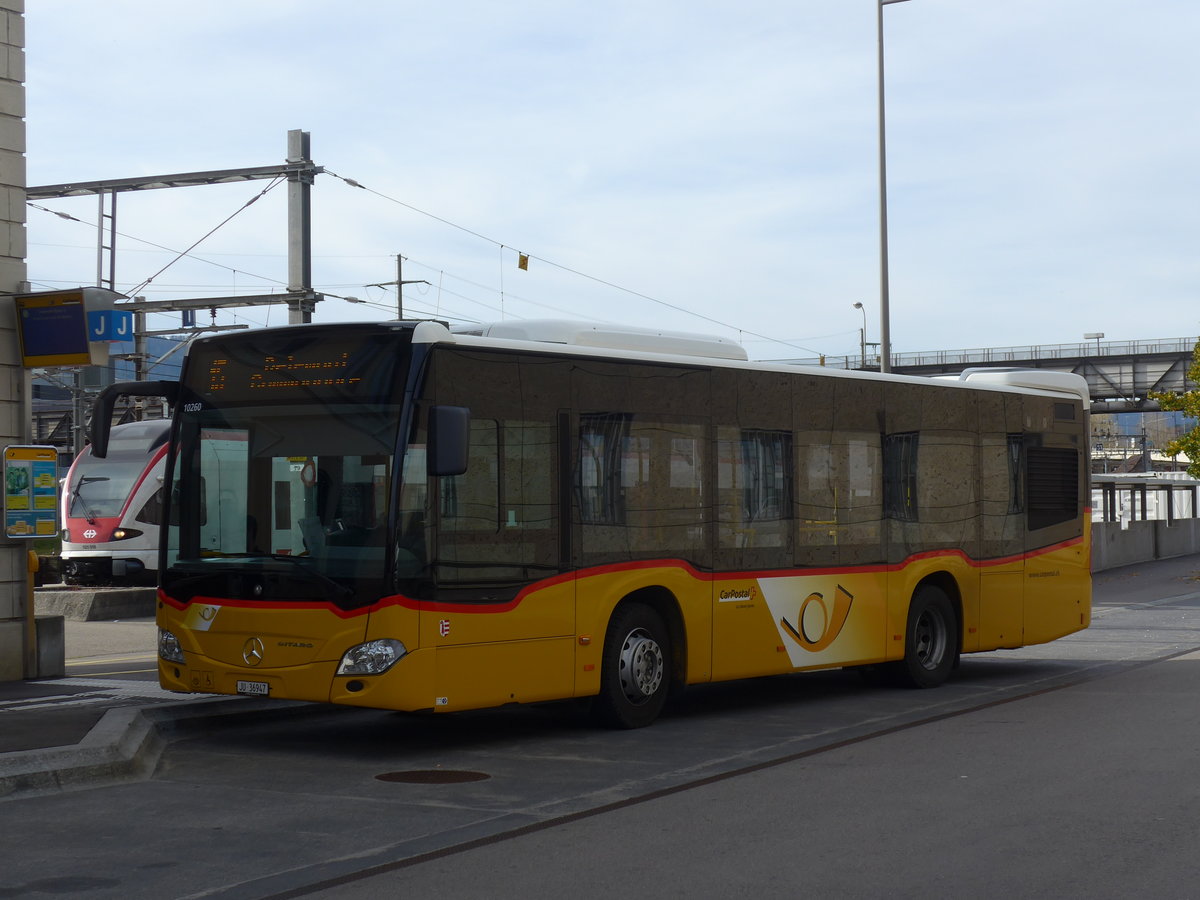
(94, 604)
(124, 745)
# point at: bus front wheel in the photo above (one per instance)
(930, 640)
(635, 673)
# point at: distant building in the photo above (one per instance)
(1132, 423)
(1134, 442)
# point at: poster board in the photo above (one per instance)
(30, 491)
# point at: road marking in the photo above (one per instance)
(113, 692)
(99, 660)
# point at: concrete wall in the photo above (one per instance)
(1142, 541)
(14, 412)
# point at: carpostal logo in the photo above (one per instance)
(816, 624)
(750, 593)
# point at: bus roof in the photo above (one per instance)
(1035, 379)
(667, 346)
(609, 337)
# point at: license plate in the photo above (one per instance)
(255, 688)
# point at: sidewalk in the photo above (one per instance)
(86, 729)
(60, 711)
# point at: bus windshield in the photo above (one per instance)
(293, 489)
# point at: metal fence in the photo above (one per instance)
(997, 356)
(1158, 497)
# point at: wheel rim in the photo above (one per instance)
(930, 637)
(641, 666)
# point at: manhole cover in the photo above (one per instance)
(433, 776)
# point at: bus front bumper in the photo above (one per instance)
(399, 688)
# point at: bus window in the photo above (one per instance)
(497, 519)
(640, 486)
(900, 476)
(221, 474)
(412, 517)
(754, 491)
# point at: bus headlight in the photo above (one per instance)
(168, 647)
(371, 658)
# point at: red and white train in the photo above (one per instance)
(112, 508)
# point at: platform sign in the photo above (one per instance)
(30, 491)
(70, 328)
(53, 329)
(110, 325)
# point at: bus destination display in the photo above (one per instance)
(284, 373)
(302, 369)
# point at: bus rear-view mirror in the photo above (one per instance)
(449, 438)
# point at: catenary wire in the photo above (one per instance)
(576, 272)
(275, 182)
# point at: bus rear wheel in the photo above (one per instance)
(930, 640)
(635, 674)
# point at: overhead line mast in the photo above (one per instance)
(299, 171)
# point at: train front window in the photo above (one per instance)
(100, 487)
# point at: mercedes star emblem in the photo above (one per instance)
(252, 651)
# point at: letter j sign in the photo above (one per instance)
(110, 324)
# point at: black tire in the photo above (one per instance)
(930, 640)
(635, 672)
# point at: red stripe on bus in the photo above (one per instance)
(609, 569)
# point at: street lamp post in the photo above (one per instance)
(885, 330)
(862, 337)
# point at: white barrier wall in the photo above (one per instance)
(1142, 541)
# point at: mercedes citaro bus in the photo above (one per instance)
(402, 516)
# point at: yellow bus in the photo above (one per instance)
(404, 516)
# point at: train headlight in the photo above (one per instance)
(122, 534)
(168, 647)
(371, 658)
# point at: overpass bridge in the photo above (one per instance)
(1120, 374)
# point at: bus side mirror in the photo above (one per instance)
(449, 438)
(102, 407)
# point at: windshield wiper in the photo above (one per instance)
(75, 495)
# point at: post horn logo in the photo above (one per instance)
(816, 627)
(252, 651)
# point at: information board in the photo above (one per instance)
(53, 329)
(30, 491)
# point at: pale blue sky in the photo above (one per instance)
(718, 157)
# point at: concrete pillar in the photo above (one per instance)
(51, 647)
(14, 407)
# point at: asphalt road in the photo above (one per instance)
(1066, 770)
(128, 667)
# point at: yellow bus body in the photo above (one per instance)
(705, 517)
(547, 643)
